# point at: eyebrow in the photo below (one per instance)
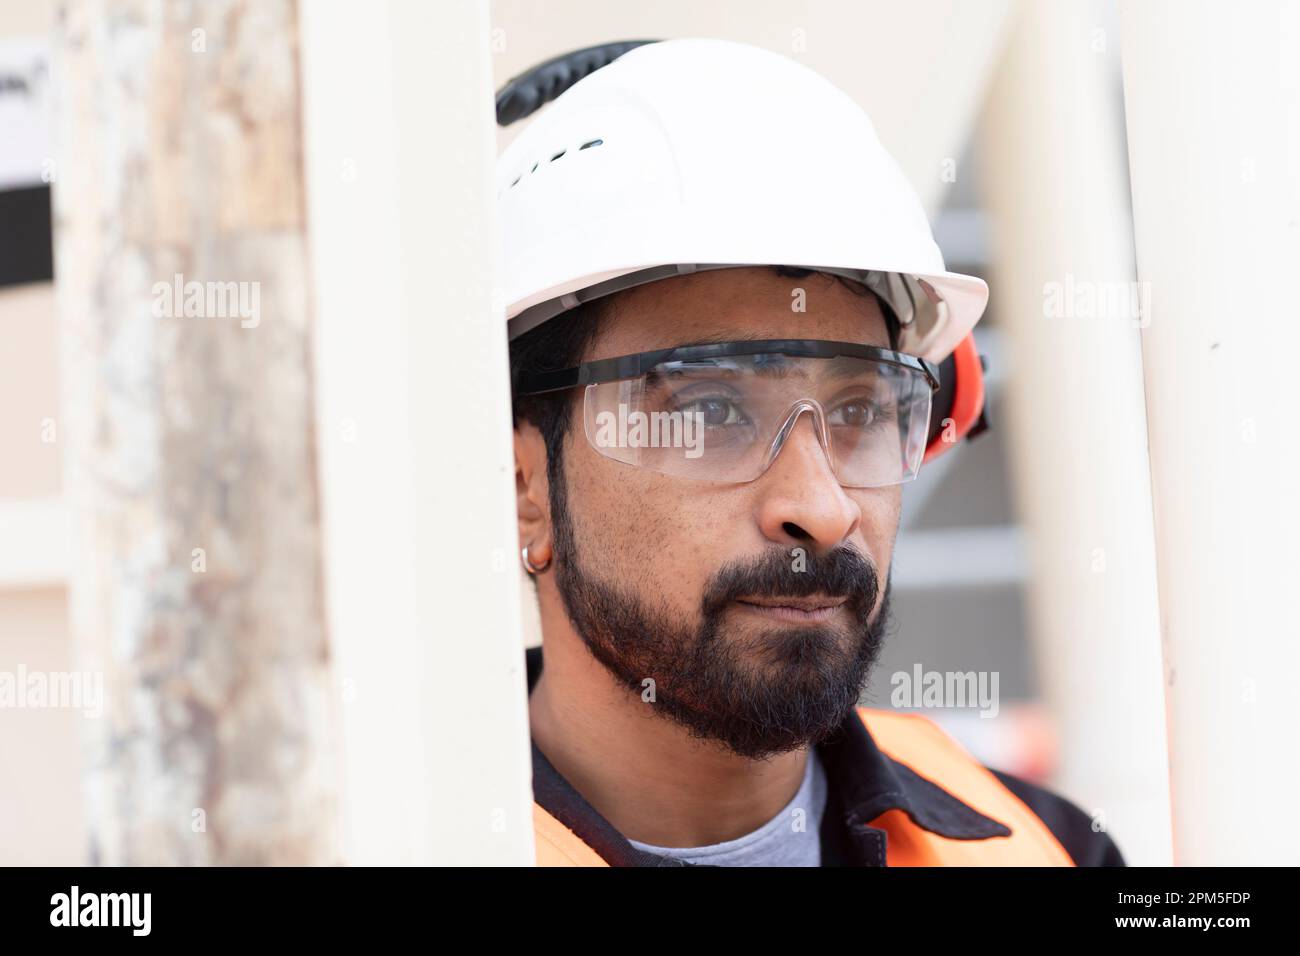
(827, 370)
(726, 335)
(714, 337)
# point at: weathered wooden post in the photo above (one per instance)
(182, 283)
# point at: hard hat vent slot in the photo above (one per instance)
(587, 145)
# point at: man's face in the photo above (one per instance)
(756, 609)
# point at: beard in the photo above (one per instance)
(757, 690)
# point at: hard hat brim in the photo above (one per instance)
(958, 300)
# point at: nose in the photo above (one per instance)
(802, 503)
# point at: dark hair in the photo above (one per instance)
(563, 341)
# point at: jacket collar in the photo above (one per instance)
(864, 782)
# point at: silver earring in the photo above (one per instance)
(530, 567)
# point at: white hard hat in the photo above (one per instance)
(691, 154)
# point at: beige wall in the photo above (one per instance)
(24, 19)
(29, 392)
(40, 789)
(40, 799)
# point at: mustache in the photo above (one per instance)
(843, 572)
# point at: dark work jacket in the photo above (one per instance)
(865, 784)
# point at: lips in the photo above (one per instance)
(812, 602)
(816, 607)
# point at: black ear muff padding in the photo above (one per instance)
(530, 91)
(941, 401)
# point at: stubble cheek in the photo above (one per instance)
(640, 535)
(881, 514)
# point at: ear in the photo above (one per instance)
(532, 492)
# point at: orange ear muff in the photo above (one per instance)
(958, 408)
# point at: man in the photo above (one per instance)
(730, 332)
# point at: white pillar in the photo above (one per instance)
(416, 460)
(1212, 93)
(1053, 177)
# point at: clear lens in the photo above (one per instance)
(726, 419)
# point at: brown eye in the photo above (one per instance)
(715, 412)
(854, 414)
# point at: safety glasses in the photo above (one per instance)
(723, 411)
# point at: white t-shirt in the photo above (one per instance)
(791, 838)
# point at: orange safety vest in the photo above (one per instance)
(918, 743)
